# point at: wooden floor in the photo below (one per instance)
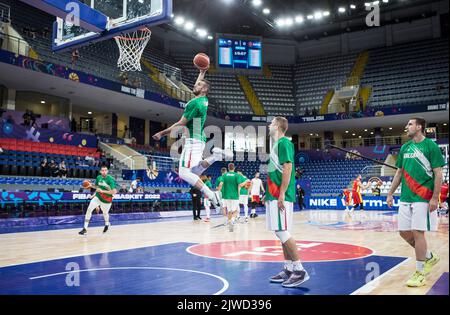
(374, 230)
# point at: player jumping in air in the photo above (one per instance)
(192, 164)
(105, 190)
(419, 164)
(280, 198)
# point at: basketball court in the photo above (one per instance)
(360, 255)
(357, 254)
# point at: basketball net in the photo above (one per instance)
(131, 47)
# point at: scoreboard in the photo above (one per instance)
(240, 54)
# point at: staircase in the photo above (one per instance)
(358, 69)
(251, 96)
(365, 93)
(326, 101)
(180, 92)
(128, 157)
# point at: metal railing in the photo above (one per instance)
(372, 141)
(15, 45)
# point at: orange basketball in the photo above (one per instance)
(201, 61)
(86, 184)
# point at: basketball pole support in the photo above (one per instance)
(361, 156)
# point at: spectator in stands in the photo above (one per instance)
(307, 113)
(315, 112)
(62, 170)
(75, 57)
(140, 190)
(123, 189)
(361, 102)
(54, 169)
(33, 32)
(73, 125)
(376, 191)
(45, 168)
(78, 161)
(136, 82)
(124, 77)
(27, 118)
(45, 32)
(134, 185)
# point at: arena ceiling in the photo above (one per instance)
(242, 17)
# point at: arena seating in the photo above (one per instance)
(409, 74)
(276, 93)
(331, 177)
(226, 89)
(23, 158)
(315, 76)
(30, 146)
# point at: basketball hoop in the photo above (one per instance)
(131, 47)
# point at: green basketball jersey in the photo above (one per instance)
(281, 153)
(218, 181)
(244, 191)
(417, 161)
(107, 183)
(231, 182)
(195, 113)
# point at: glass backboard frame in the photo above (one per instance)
(115, 27)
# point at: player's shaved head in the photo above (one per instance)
(282, 123)
(231, 166)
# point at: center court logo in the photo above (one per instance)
(271, 251)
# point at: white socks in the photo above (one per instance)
(429, 255)
(246, 210)
(420, 265)
(288, 265)
(297, 265)
(208, 192)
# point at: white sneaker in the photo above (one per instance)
(217, 202)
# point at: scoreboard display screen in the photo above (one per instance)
(239, 54)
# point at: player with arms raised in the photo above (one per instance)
(192, 164)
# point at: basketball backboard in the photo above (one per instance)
(124, 16)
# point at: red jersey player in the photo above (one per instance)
(347, 201)
(356, 193)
